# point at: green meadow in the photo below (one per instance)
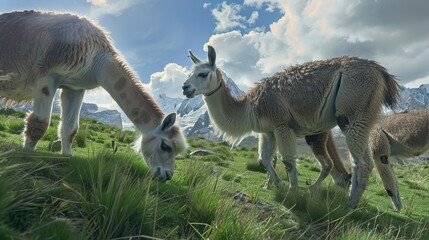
(105, 192)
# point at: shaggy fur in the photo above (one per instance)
(34, 129)
(405, 135)
(303, 100)
(43, 51)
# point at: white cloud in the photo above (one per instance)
(248, 58)
(252, 19)
(100, 8)
(320, 29)
(168, 81)
(227, 17)
(97, 2)
(206, 5)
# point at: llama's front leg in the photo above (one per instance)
(267, 147)
(390, 182)
(286, 144)
(71, 103)
(38, 120)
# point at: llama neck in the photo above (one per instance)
(121, 83)
(231, 116)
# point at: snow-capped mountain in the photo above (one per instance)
(414, 98)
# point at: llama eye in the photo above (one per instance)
(203, 75)
(165, 147)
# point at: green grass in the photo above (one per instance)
(106, 192)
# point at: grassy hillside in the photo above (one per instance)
(105, 192)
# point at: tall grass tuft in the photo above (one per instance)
(81, 136)
(26, 197)
(227, 224)
(114, 203)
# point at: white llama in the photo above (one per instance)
(43, 51)
(306, 99)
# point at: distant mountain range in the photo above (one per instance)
(193, 118)
(414, 98)
(89, 110)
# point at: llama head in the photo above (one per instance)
(160, 147)
(203, 78)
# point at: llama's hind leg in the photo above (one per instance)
(267, 147)
(71, 103)
(339, 173)
(286, 144)
(357, 138)
(318, 146)
(38, 120)
(390, 182)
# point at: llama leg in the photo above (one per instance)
(71, 102)
(318, 146)
(357, 138)
(38, 120)
(340, 175)
(389, 179)
(286, 144)
(267, 147)
(269, 181)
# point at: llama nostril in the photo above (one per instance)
(184, 87)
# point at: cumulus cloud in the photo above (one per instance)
(228, 17)
(247, 58)
(390, 32)
(252, 19)
(168, 81)
(100, 8)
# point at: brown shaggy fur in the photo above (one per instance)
(34, 127)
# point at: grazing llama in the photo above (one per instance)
(306, 99)
(404, 134)
(43, 51)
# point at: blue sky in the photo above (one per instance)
(254, 38)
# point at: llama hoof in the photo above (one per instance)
(56, 146)
(351, 206)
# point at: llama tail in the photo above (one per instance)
(391, 91)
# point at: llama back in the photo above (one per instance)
(410, 128)
(309, 90)
(34, 43)
(301, 89)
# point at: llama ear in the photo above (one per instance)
(168, 121)
(396, 147)
(193, 58)
(212, 56)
